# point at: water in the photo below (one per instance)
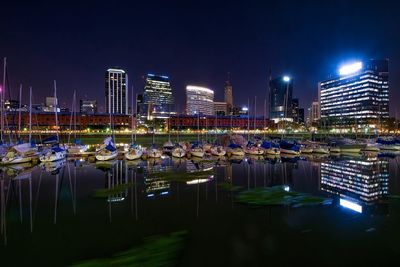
(50, 217)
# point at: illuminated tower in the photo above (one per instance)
(116, 93)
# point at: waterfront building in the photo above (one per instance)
(11, 104)
(157, 100)
(357, 97)
(88, 106)
(212, 122)
(281, 89)
(315, 114)
(116, 91)
(228, 97)
(220, 108)
(199, 100)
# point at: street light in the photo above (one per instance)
(286, 79)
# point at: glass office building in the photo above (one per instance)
(157, 99)
(358, 97)
(281, 89)
(116, 93)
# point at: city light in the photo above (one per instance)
(351, 68)
(350, 205)
(286, 78)
(245, 109)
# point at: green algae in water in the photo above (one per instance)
(108, 192)
(229, 186)
(181, 176)
(277, 195)
(156, 251)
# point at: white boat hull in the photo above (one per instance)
(77, 149)
(133, 154)
(257, 152)
(105, 157)
(197, 153)
(321, 150)
(289, 152)
(219, 152)
(154, 153)
(306, 150)
(389, 147)
(178, 153)
(237, 152)
(272, 151)
(50, 157)
(16, 160)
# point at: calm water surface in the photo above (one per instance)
(50, 217)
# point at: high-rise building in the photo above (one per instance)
(50, 104)
(315, 112)
(199, 100)
(301, 116)
(281, 89)
(88, 106)
(228, 96)
(295, 109)
(158, 101)
(116, 93)
(357, 97)
(220, 108)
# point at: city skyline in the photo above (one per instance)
(282, 37)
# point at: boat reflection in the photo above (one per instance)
(359, 183)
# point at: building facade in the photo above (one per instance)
(228, 96)
(116, 91)
(199, 100)
(220, 108)
(88, 106)
(211, 122)
(358, 97)
(315, 114)
(281, 89)
(157, 100)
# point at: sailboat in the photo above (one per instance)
(196, 150)
(270, 148)
(23, 152)
(107, 151)
(253, 149)
(153, 151)
(56, 152)
(168, 146)
(235, 150)
(388, 143)
(77, 146)
(135, 151)
(179, 149)
(217, 149)
(290, 148)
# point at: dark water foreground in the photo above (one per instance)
(157, 215)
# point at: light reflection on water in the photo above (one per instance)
(40, 202)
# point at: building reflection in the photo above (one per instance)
(155, 183)
(358, 182)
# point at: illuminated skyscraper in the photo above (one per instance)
(116, 93)
(357, 97)
(199, 100)
(158, 101)
(281, 89)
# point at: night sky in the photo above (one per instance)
(194, 43)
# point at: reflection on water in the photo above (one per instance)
(357, 181)
(37, 202)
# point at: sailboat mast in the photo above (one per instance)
(248, 119)
(2, 94)
(198, 127)
(74, 109)
(265, 115)
(255, 111)
(19, 111)
(132, 119)
(55, 108)
(30, 114)
(135, 115)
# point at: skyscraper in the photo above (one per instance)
(228, 96)
(281, 89)
(116, 93)
(158, 101)
(295, 109)
(199, 100)
(357, 97)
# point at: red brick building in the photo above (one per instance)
(222, 122)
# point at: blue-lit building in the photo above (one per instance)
(281, 90)
(157, 99)
(356, 98)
